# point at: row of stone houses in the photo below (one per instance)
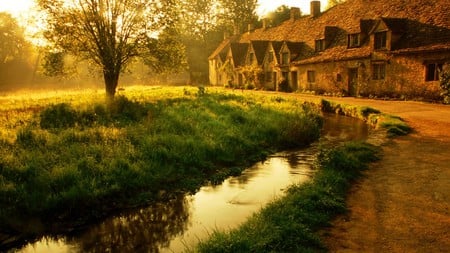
(392, 48)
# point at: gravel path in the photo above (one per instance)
(403, 202)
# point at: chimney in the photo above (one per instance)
(315, 8)
(250, 27)
(264, 23)
(295, 13)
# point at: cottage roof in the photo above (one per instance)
(420, 24)
(277, 46)
(259, 47)
(238, 52)
(223, 47)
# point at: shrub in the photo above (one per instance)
(124, 110)
(58, 116)
(445, 86)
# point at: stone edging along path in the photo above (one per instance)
(402, 204)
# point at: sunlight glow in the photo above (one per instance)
(265, 6)
(17, 8)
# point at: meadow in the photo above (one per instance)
(67, 158)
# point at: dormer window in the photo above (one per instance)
(251, 57)
(270, 56)
(284, 58)
(320, 45)
(380, 40)
(353, 40)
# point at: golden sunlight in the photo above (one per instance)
(266, 6)
(17, 8)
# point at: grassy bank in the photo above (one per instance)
(290, 224)
(72, 159)
(394, 125)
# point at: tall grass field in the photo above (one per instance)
(68, 158)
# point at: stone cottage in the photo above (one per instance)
(380, 48)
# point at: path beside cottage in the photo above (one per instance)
(402, 204)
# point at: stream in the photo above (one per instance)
(180, 223)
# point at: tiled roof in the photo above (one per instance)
(238, 51)
(422, 24)
(337, 53)
(260, 46)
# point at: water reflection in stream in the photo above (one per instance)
(181, 222)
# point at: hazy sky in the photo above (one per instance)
(270, 5)
(18, 7)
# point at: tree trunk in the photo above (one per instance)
(111, 78)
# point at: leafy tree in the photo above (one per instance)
(167, 53)
(239, 12)
(14, 51)
(53, 64)
(108, 32)
(278, 16)
(332, 3)
(200, 34)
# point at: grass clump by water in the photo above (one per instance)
(291, 223)
(394, 126)
(72, 163)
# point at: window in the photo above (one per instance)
(379, 71)
(270, 56)
(353, 40)
(284, 58)
(432, 71)
(338, 78)
(251, 57)
(311, 75)
(380, 40)
(320, 45)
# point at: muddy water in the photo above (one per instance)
(179, 223)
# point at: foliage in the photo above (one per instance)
(239, 12)
(278, 16)
(107, 32)
(166, 54)
(395, 126)
(290, 224)
(332, 3)
(54, 64)
(14, 52)
(12, 41)
(58, 116)
(445, 86)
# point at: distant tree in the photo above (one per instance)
(53, 64)
(166, 54)
(238, 13)
(108, 32)
(200, 34)
(12, 40)
(332, 3)
(14, 51)
(278, 16)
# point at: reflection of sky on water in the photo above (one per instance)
(182, 221)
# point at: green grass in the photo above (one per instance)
(290, 224)
(72, 159)
(394, 125)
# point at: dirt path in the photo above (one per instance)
(403, 202)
